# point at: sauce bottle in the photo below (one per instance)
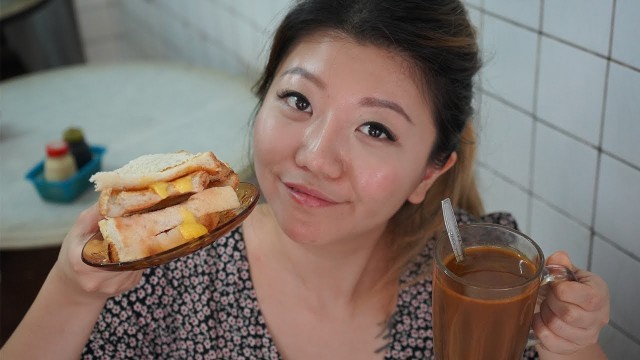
(78, 147)
(59, 164)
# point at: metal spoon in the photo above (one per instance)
(451, 224)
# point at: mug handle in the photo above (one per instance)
(551, 274)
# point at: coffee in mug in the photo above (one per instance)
(484, 305)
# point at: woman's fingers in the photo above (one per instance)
(569, 322)
(87, 280)
(551, 341)
(573, 312)
(87, 221)
(576, 304)
(560, 258)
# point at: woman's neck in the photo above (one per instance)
(345, 271)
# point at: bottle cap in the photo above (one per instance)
(73, 134)
(57, 148)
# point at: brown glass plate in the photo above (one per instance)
(94, 252)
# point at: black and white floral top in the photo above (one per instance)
(204, 306)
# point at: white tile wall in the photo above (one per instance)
(474, 2)
(502, 195)
(511, 74)
(99, 20)
(616, 344)
(564, 172)
(525, 12)
(621, 134)
(228, 35)
(554, 231)
(505, 136)
(571, 89)
(476, 18)
(581, 151)
(101, 30)
(618, 204)
(586, 23)
(625, 33)
(557, 91)
(621, 274)
(109, 50)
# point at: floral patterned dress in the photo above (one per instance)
(204, 306)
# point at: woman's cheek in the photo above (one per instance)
(275, 139)
(381, 182)
(391, 183)
(264, 132)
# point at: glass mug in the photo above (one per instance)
(484, 305)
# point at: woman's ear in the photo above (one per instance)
(431, 174)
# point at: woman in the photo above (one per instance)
(362, 128)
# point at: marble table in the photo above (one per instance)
(131, 109)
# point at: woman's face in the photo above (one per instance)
(342, 140)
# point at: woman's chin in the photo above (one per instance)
(303, 236)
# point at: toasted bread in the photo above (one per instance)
(146, 170)
(115, 203)
(140, 235)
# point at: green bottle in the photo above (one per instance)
(78, 146)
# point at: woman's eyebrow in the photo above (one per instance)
(367, 101)
(388, 104)
(296, 70)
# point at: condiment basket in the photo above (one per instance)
(68, 190)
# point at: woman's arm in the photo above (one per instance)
(61, 318)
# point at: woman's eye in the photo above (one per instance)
(376, 130)
(295, 100)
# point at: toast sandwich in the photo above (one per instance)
(159, 201)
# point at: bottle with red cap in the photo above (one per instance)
(59, 164)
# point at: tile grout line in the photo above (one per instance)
(534, 129)
(560, 130)
(561, 40)
(624, 332)
(557, 209)
(605, 95)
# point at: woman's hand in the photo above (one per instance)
(82, 279)
(573, 313)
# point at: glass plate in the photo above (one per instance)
(94, 252)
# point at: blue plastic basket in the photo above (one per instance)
(66, 191)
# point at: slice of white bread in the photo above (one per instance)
(115, 203)
(146, 170)
(141, 235)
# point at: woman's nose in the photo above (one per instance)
(320, 149)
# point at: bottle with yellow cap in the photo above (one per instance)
(78, 146)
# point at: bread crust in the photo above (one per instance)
(146, 170)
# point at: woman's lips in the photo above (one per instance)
(309, 197)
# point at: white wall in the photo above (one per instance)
(229, 35)
(560, 123)
(558, 119)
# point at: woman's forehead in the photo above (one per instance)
(319, 50)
